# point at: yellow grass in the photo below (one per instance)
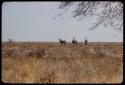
(64, 64)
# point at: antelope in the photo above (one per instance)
(74, 42)
(62, 41)
(86, 42)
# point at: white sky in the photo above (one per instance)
(33, 21)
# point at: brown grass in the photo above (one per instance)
(64, 64)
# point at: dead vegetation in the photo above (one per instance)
(55, 63)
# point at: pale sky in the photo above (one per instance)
(33, 21)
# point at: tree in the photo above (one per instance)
(106, 13)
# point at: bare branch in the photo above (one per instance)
(107, 13)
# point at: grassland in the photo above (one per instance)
(94, 63)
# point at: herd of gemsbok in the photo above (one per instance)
(74, 42)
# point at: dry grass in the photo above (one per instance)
(64, 64)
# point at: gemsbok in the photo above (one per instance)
(74, 42)
(62, 41)
(86, 42)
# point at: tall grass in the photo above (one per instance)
(63, 64)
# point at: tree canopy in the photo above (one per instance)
(106, 12)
